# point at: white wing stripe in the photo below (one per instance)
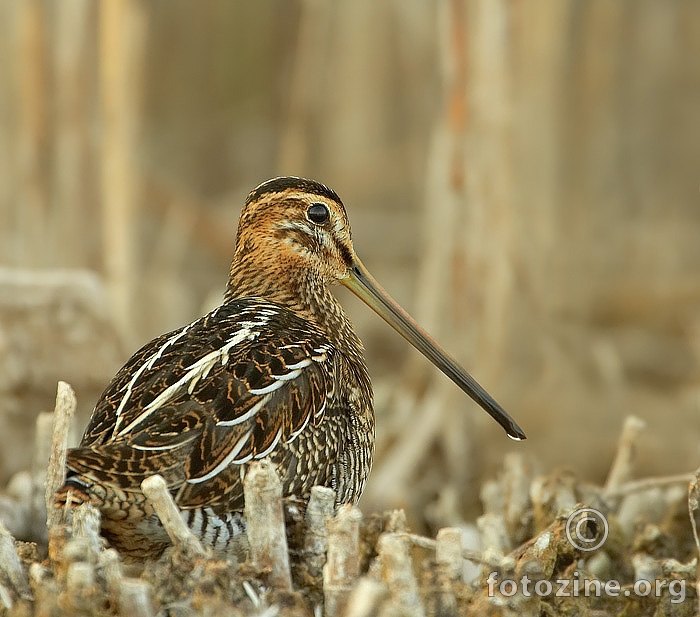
(287, 376)
(275, 385)
(248, 415)
(199, 369)
(294, 435)
(272, 447)
(171, 341)
(304, 363)
(226, 462)
(162, 448)
(145, 366)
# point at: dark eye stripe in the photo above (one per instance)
(318, 213)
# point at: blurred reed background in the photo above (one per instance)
(521, 176)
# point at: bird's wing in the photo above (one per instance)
(197, 404)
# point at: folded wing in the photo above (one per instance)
(197, 404)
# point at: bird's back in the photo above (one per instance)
(250, 380)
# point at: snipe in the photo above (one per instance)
(275, 372)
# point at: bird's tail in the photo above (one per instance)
(74, 492)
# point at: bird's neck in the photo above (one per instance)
(298, 292)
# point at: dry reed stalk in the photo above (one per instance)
(134, 598)
(6, 602)
(421, 541)
(86, 526)
(494, 560)
(395, 521)
(649, 506)
(122, 41)
(43, 439)
(538, 559)
(443, 190)
(366, 598)
(70, 59)
(493, 532)
(448, 552)
(491, 496)
(64, 411)
(539, 556)
(438, 591)
(264, 515)
(439, 582)
(443, 194)
(622, 469)
(491, 219)
(644, 484)
(11, 565)
(516, 491)
(80, 580)
(397, 574)
(343, 560)
(646, 568)
(432, 545)
(550, 495)
(31, 133)
(318, 512)
(46, 590)
(538, 142)
(16, 506)
(110, 565)
(156, 491)
(306, 84)
(75, 550)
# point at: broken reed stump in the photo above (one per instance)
(111, 566)
(52, 530)
(366, 598)
(342, 567)
(11, 566)
(64, 411)
(264, 514)
(622, 469)
(398, 575)
(318, 512)
(38, 507)
(156, 491)
(79, 582)
(448, 552)
(86, 527)
(134, 598)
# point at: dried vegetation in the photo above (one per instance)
(534, 531)
(548, 147)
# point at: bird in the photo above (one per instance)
(276, 372)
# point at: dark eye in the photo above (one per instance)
(318, 213)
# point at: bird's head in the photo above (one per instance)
(299, 225)
(294, 240)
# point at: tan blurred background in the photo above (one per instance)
(521, 176)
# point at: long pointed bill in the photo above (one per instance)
(363, 285)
